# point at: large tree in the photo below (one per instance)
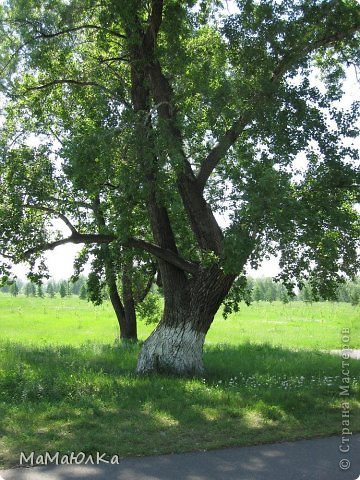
(182, 114)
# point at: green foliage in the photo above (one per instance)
(30, 289)
(345, 292)
(250, 290)
(284, 296)
(14, 290)
(50, 290)
(150, 309)
(27, 289)
(76, 286)
(40, 292)
(240, 290)
(355, 297)
(307, 293)
(239, 81)
(83, 293)
(96, 283)
(63, 290)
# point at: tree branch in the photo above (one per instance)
(43, 35)
(113, 59)
(5, 255)
(165, 254)
(326, 41)
(289, 61)
(142, 295)
(67, 81)
(53, 212)
(156, 15)
(154, 23)
(77, 203)
(66, 31)
(220, 149)
(75, 238)
(90, 238)
(203, 222)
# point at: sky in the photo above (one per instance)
(60, 261)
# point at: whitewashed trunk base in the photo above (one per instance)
(175, 350)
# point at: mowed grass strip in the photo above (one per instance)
(86, 398)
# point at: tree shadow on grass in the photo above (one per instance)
(87, 399)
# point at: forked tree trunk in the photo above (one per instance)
(126, 316)
(176, 344)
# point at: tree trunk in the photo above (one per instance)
(119, 310)
(176, 344)
(175, 350)
(129, 304)
(125, 314)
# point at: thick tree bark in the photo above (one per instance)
(173, 277)
(175, 350)
(176, 345)
(201, 218)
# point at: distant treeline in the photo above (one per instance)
(51, 288)
(266, 289)
(261, 289)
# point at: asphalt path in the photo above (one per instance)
(316, 459)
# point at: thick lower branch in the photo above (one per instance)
(164, 254)
(89, 238)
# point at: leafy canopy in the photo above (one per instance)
(243, 101)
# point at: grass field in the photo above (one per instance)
(71, 321)
(67, 385)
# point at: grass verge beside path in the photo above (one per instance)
(86, 399)
(65, 386)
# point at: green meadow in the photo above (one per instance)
(71, 321)
(68, 385)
